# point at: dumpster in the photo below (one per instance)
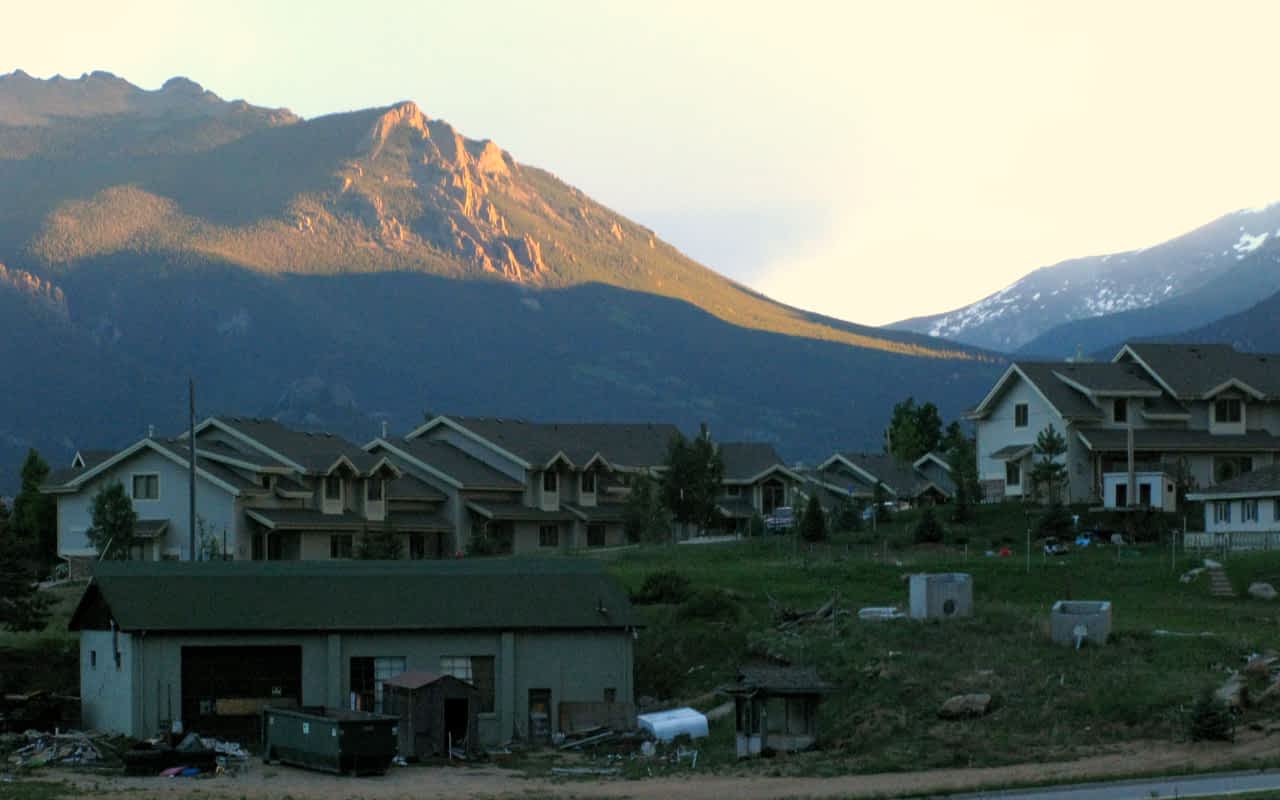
(329, 739)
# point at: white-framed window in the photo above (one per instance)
(333, 487)
(1228, 410)
(1249, 511)
(1222, 511)
(1012, 473)
(1021, 415)
(548, 536)
(1120, 410)
(549, 481)
(146, 486)
(589, 482)
(1275, 509)
(374, 490)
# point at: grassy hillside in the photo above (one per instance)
(1051, 702)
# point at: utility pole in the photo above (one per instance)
(191, 449)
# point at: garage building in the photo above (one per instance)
(208, 644)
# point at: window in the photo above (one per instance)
(333, 487)
(1275, 509)
(1020, 415)
(1012, 473)
(1227, 411)
(417, 546)
(1249, 511)
(367, 677)
(588, 482)
(476, 670)
(549, 536)
(266, 481)
(1120, 410)
(595, 535)
(1144, 494)
(93, 659)
(340, 545)
(1221, 512)
(733, 491)
(146, 487)
(549, 481)
(373, 489)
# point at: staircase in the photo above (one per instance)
(1219, 585)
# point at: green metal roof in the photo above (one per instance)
(266, 596)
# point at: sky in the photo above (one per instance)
(872, 161)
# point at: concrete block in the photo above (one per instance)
(941, 595)
(1069, 618)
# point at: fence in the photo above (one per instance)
(1232, 541)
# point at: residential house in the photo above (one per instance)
(1244, 510)
(850, 476)
(755, 481)
(263, 492)
(211, 643)
(530, 487)
(1198, 414)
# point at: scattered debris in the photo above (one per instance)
(667, 725)
(1262, 590)
(880, 613)
(789, 618)
(1190, 575)
(68, 748)
(1163, 632)
(966, 706)
(1234, 692)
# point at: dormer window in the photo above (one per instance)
(588, 482)
(373, 490)
(1120, 410)
(266, 481)
(333, 487)
(549, 483)
(1228, 410)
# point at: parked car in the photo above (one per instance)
(782, 519)
(870, 511)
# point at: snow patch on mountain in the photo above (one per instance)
(1248, 243)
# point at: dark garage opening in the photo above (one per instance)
(224, 689)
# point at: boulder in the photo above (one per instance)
(1262, 591)
(966, 706)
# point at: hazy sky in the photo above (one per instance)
(869, 160)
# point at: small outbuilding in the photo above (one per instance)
(776, 708)
(438, 713)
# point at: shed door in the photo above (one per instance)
(225, 688)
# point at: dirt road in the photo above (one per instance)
(482, 782)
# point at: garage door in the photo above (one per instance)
(225, 688)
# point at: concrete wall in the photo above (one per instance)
(214, 505)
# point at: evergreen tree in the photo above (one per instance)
(113, 520)
(1048, 472)
(813, 523)
(880, 496)
(643, 516)
(847, 517)
(963, 457)
(913, 430)
(1055, 521)
(22, 607)
(691, 482)
(380, 544)
(33, 523)
(928, 529)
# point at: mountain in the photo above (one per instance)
(371, 265)
(1170, 286)
(1256, 329)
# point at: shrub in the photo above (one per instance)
(756, 526)
(663, 587)
(928, 529)
(1055, 521)
(709, 604)
(1210, 719)
(813, 522)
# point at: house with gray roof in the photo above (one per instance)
(1246, 504)
(853, 476)
(264, 491)
(1197, 415)
(530, 487)
(209, 644)
(756, 482)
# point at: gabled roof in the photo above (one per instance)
(448, 463)
(71, 481)
(938, 458)
(1179, 440)
(748, 462)
(265, 596)
(1258, 483)
(411, 487)
(88, 459)
(418, 679)
(312, 453)
(1103, 378)
(1069, 402)
(1195, 370)
(623, 445)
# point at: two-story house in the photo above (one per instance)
(530, 486)
(755, 481)
(854, 476)
(1190, 414)
(263, 492)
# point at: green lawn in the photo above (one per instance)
(1052, 702)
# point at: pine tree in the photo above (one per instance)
(962, 455)
(33, 524)
(813, 523)
(1048, 472)
(113, 519)
(691, 482)
(643, 516)
(22, 607)
(928, 529)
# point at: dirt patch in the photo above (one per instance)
(1252, 748)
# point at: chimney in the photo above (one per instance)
(384, 429)
(151, 431)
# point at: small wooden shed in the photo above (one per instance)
(776, 708)
(435, 711)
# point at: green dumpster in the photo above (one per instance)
(329, 739)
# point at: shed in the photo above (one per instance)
(776, 707)
(437, 713)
